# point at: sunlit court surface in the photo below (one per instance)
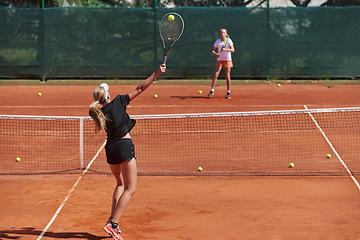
(246, 189)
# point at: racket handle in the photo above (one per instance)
(164, 60)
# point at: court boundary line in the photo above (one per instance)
(70, 192)
(334, 150)
(168, 106)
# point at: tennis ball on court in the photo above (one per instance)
(200, 169)
(279, 85)
(155, 96)
(39, 94)
(171, 18)
(328, 155)
(18, 159)
(200, 92)
(292, 165)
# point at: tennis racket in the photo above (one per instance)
(224, 44)
(170, 29)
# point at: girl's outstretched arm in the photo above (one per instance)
(146, 83)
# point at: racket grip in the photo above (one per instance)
(164, 60)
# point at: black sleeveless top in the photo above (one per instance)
(118, 122)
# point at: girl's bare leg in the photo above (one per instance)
(215, 77)
(228, 79)
(126, 177)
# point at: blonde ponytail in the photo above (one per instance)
(95, 112)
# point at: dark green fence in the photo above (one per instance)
(124, 42)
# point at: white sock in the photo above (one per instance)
(212, 90)
(228, 91)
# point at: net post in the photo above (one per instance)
(81, 143)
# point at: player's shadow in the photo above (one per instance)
(186, 97)
(16, 233)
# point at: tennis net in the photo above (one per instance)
(223, 144)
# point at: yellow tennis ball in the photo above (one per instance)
(279, 85)
(171, 18)
(18, 159)
(200, 92)
(292, 165)
(200, 169)
(39, 94)
(155, 96)
(328, 155)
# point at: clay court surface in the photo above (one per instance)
(180, 207)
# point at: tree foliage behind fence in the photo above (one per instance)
(176, 3)
(124, 42)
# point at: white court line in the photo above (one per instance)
(336, 153)
(181, 106)
(164, 106)
(70, 192)
(44, 106)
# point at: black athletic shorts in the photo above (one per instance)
(120, 151)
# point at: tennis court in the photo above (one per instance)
(75, 204)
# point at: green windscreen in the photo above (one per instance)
(125, 42)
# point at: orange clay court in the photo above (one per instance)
(76, 205)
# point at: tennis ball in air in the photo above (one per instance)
(200, 92)
(200, 169)
(18, 159)
(328, 155)
(279, 85)
(39, 94)
(292, 165)
(171, 17)
(155, 96)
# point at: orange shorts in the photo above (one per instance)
(224, 64)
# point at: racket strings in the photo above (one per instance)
(171, 30)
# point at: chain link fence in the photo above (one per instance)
(176, 3)
(50, 39)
